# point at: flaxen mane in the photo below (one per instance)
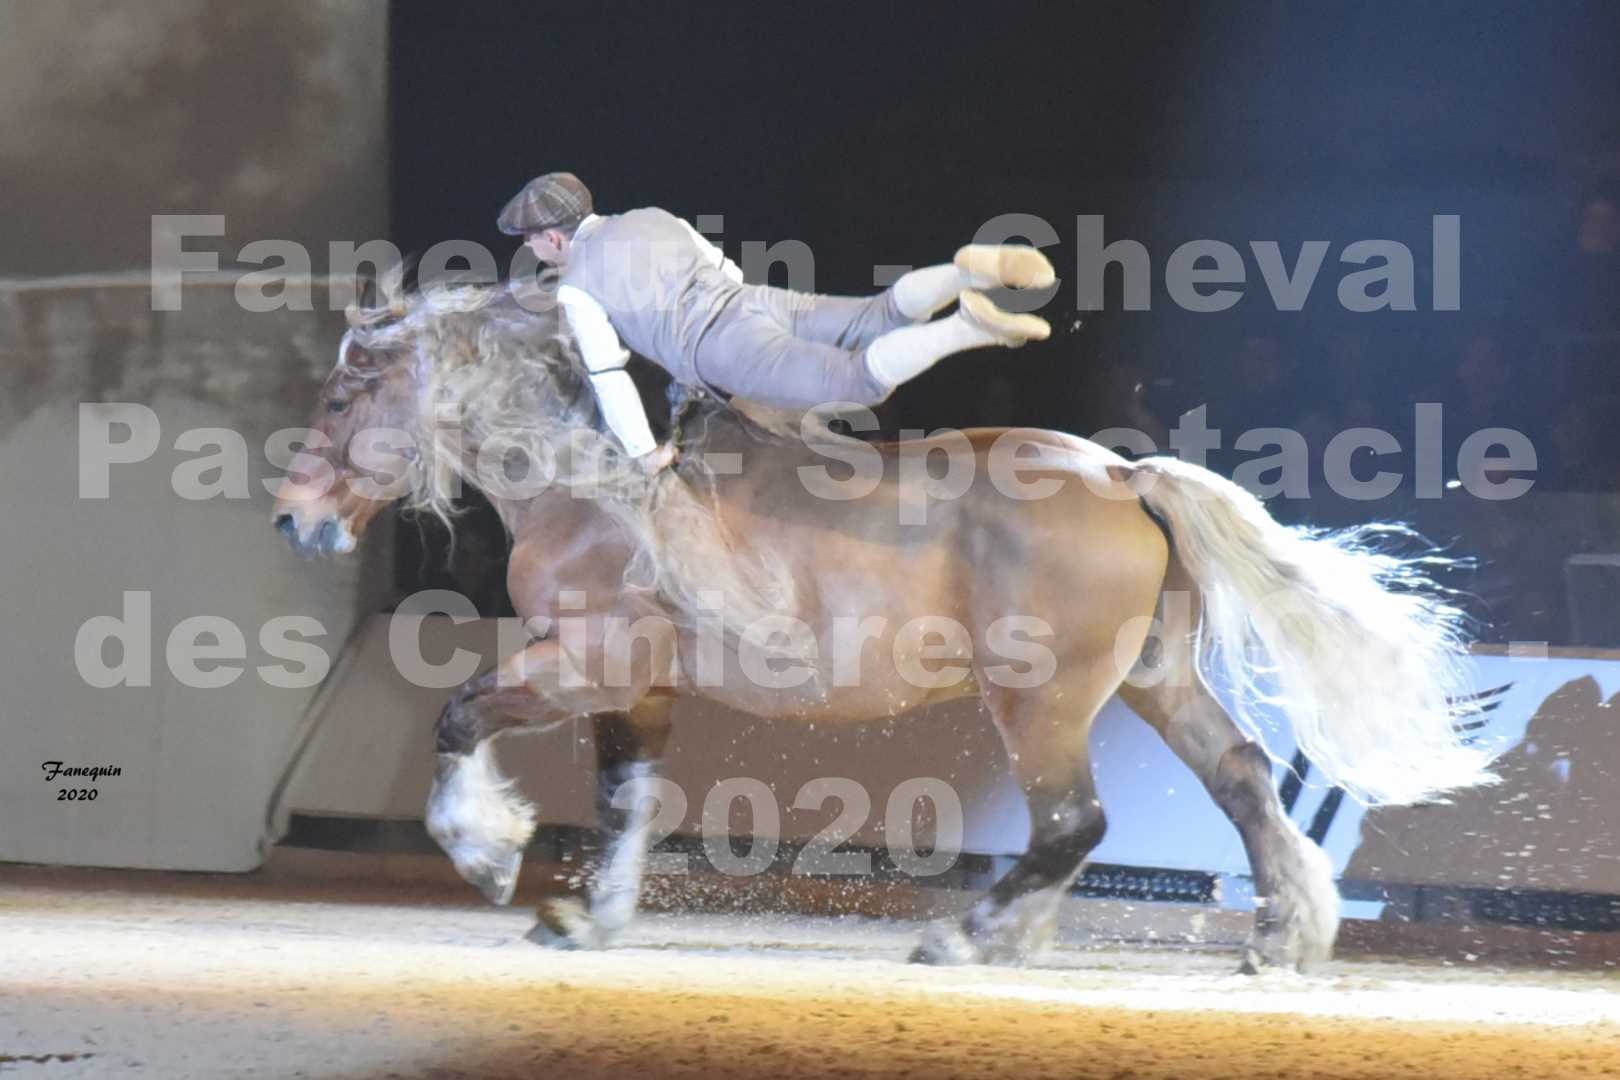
(504, 377)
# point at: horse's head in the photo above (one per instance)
(361, 454)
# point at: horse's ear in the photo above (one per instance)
(362, 301)
(367, 363)
(395, 284)
(365, 290)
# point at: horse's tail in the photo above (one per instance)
(1354, 644)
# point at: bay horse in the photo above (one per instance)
(1154, 579)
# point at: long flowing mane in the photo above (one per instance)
(497, 371)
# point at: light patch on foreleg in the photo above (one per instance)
(617, 887)
(480, 820)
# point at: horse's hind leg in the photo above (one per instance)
(628, 749)
(1044, 730)
(1297, 905)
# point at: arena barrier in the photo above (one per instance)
(197, 766)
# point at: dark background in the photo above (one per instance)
(889, 133)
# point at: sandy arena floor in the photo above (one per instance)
(137, 975)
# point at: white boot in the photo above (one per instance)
(1007, 328)
(1013, 265)
(909, 351)
(919, 294)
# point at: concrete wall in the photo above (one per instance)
(273, 115)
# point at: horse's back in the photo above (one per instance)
(1022, 511)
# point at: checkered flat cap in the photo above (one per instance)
(547, 202)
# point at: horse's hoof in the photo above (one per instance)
(1274, 953)
(1295, 929)
(564, 924)
(497, 877)
(944, 944)
(1254, 962)
(547, 937)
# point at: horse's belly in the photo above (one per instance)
(782, 688)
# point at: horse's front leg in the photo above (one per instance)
(474, 813)
(629, 747)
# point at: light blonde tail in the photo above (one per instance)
(1353, 644)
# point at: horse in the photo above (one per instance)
(1153, 579)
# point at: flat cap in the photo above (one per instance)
(547, 202)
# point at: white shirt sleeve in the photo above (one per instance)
(620, 402)
(716, 257)
(599, 343)
(605, 357)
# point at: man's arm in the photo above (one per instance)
(605, 358)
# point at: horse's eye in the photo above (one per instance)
(337, 405)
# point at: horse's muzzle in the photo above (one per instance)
(329, 538)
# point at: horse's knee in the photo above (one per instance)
(457, 730)
(1080, 824)
(1062, 834)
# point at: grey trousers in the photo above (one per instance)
(796, 350)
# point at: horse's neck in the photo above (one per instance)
(511, 511)
(556, 503)
(558, 511)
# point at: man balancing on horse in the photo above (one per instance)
(648, 279)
